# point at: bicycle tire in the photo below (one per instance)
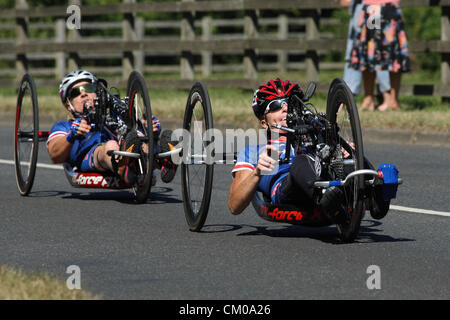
(195, 213)
(23, 136)
(140, 115)
(339, 94)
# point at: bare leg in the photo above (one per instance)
(396, 78)
(393, 103)
(386, 101)
(369, 83)
(102, 161)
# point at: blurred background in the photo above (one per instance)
(231, 45)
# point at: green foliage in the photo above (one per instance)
(7, 4)
(424, 24)
(342, 15)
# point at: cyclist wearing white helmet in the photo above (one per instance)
(74, 141)
(69, 81)
(68, 140)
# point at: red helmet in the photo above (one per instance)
(272, 90)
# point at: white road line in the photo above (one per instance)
(39, 165)
(392, 207)
(432, 212)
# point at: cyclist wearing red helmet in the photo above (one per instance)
(286, 183)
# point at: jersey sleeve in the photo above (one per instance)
(158, 124)
(59, 129)
(247, 159)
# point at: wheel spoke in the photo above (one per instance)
(342, 110)
(140, 113)
(196, 173)
(26, 135)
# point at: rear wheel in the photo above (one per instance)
(140, 115)
(26, 135)
(197, 168)
(342, 111)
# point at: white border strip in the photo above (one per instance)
(39, 165)
(432, 212)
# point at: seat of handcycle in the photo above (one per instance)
(102, 180)
(288, 213)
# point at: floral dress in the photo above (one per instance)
(381, 43)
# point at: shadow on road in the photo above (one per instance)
(158, 195)
(367, 233)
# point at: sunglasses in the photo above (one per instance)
(76, 91)
(276, 105)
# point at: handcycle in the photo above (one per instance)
(331, 135)
(132, 113)
(335, 136)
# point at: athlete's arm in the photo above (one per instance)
(156, 124)
(59, 148)
(246, 182)
(242, 190)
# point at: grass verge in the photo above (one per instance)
(16, 285)
(233, 106)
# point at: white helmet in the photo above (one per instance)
(71, 78)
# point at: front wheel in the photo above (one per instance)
(140, 116)
(342, 112)
(26, 135)
(196, 170)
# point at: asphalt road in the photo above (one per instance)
(128, 251)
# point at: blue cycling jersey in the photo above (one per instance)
(248, 159)
(82, 147)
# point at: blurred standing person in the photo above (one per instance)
(381, 44)
(353, 77)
